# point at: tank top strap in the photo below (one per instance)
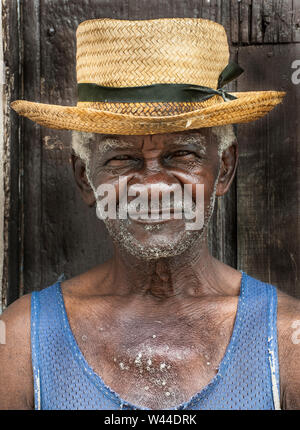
(45, 316)
(259, 314)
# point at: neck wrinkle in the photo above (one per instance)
(189, 274)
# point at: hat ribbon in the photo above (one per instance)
(89, 92)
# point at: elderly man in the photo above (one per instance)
(163, 324)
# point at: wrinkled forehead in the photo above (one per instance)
(200, 138)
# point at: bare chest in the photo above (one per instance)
(156, 361)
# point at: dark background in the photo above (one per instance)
(50, 231)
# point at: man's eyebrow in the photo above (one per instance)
(108, 143)
(191, 140)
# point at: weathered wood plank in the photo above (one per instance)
(12, 90)
(31, 136)
(245, 21)
(270, 33)
(257, 22)
(268, 180)
(144, 9)
(296, 21)
(235, 25)
(285, 20)
(277, 21)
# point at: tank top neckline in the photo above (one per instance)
(115, 397)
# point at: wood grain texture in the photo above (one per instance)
(12, 270)
(296, 21)
(262, 22)
(268, 180)
(32, 148)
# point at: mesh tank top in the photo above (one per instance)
(247, 378)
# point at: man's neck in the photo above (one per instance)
(193, 274)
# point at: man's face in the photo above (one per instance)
(161, 161)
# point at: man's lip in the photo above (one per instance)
(158, 220)
(160, 211)
(151, 221)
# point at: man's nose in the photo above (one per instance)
(149, 178)
(153, 187)
(152, 163)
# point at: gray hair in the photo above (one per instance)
(81, 144)
(81, 141)
(226, 135)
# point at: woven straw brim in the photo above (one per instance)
(249, 106)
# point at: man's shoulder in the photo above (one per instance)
(94, 281)
(15, 356)
(17, 315)
(288, 326)
(288, 314)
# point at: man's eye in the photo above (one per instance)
(185, 154)
(118, 160)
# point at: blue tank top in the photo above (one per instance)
(247, 378)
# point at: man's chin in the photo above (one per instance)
(151, 241)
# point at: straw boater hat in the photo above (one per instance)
(150, 77)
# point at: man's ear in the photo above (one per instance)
(229, 163)
(79, 170)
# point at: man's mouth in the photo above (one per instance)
(156, 216)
